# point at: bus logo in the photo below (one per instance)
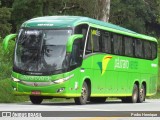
(35, 84)
(105, 62)
(121, 63)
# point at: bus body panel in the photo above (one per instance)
(119, 77)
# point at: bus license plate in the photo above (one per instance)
(36, 92)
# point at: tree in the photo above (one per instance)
(142, 16)
(138, 15)
(5, 26)
(24, 10)
(103, 10)
(153, 25)
(98, 9)
(7, 3)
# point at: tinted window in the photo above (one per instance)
(95, 37)
(154, 50)
(147, 50)
(106, 42)
(82, 29)
(128, 43)
(89, 44)
(93, 41)
(76, 55)
(117, 44)
(42, 51)
(138, 48)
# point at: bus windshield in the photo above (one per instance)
(41, 51)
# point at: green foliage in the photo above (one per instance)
(5, 26)
(24, 10)
(126, 13)
(6, 3)
(29, 9)
(159, 69)
(6, 60)
(138, 15)
(6, 93)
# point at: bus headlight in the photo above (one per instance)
(62, 79)
(59, 81)
(15, 79)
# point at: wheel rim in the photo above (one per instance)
(84, 93)
(142, 94)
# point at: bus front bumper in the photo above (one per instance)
(55, 90)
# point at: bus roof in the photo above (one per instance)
(71, 21)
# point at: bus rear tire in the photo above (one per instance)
(141, 95)
(98, 99)
(36, 99)
(84, 95)
(133, 98)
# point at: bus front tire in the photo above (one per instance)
(36, 99)
(98, 99)
(84, 95)
(141, 95)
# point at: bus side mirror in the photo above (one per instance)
(71, 40)
(7, 39)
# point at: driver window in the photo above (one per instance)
(82, 29)
(76, 55)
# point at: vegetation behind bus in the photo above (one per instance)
(9, 20)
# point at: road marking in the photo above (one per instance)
(90, 109)
(99, 118)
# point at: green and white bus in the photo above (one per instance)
(82, 58)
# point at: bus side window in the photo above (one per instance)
(106, 42)
(147, 50)
(82, 29)
(128, 43)
(96, 41)
(93, 42)
(138, 48)
(154, 50)
(117, 44)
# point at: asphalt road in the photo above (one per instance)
(90, 110)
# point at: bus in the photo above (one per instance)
(82, 58)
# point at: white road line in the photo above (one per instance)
(90, 109)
